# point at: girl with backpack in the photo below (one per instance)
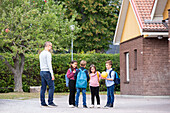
(72, 83)
(95, 77)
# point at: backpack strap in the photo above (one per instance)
(70, 70)
(82, 70)
(98, 75)
(115, 76)
(110, 73)
(90, 77)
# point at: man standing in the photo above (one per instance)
(47, 77)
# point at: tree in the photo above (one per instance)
(24, 27)
(98, 19)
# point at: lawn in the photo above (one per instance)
(26, 95)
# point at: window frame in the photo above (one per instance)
(135, 59)
(127, 64)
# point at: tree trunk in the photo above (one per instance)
(18, 82)
(17, 70)
(19, 67)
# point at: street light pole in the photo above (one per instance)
(72, 49)
(72, 27)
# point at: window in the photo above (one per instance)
(127, 66)
(135, 59)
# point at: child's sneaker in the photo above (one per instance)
(84, 106)
(98, 106)
(70, 106)
(111, 105)
(106, 106)
(76, 106)
(92, 106)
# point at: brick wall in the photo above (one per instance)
(135, 85)
(152, 76)
(155, 65)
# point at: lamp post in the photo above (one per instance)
(72, 27)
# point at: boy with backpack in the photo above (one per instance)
(110, 84)
(81, 76)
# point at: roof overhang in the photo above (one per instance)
(158, 9)
(121, 21)
(155, 33)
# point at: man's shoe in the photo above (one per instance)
(84, 106)
(44, 105)
(92, 106)
(70, 106)
(52, 105)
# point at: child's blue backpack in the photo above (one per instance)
(116, 77)
(67, 79)
(81, 81)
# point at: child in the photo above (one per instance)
(81, 76)
(109, 84)
(94, 85)
(72, 83)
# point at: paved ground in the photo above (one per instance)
(123, 104)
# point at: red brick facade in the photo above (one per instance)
(152, 76)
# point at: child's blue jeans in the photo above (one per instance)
(110, 95)
(78, 94)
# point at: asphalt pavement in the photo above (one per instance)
(123, 104)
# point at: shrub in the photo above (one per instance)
(61, 63)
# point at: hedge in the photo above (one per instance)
(60, 62)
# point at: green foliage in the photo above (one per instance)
(26, 24)
(98, 19)
(61, 63)
(32, 22)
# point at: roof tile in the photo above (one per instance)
(144, 9)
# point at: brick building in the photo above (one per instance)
(144, 38)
